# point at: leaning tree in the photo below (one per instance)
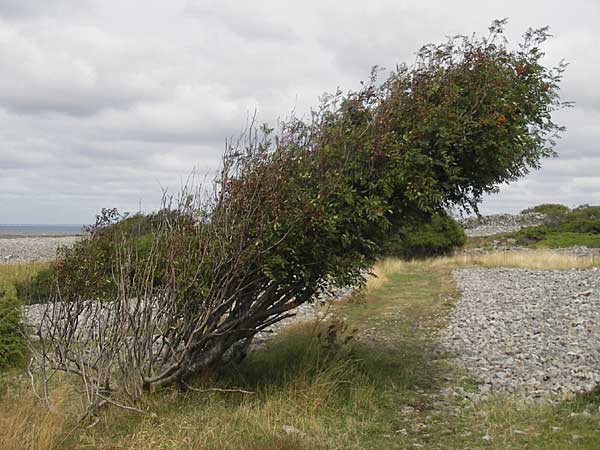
(294, 211)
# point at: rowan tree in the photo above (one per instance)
(305, 207)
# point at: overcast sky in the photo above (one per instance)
(106, 102)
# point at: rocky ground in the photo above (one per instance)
(499, 223)
(23, 249)
(530, 332)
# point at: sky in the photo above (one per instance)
(105, 103)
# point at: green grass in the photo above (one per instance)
(382, 389)
(558, 239)
(13, 273)
(12, 346)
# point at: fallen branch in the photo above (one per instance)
(238, 391)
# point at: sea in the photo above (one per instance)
(40, 230)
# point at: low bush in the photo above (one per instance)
(531, 235)
(12, 345)
(569, 239)
(581, 226)
(584, 212)
(438, 236)
(36, 289)
(88, 269)
(549, 209)
(563, 227)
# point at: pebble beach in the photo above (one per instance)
(32, 248)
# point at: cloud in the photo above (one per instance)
(104, 103)
(36, 8)
(247, 21)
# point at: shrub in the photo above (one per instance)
(531, 235)
(438, 236)
(580, 226)
(12, 345)
(569, 239)
(37, 289)
(549, 209)
(584, 212)
(87, 269)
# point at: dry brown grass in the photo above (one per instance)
(324, 400)
(533, 259)
(25, 424)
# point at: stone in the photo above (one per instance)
(499, 223)
(520, 331)
(288, 429)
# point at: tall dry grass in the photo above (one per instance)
(532, 259)
(14, 272)
(26, 424)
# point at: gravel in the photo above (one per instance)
(24, 249)
(535, 333)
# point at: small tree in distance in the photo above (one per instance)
(307, 207)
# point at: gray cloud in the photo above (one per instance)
(245, 20)
(105, 103)
(35, 8)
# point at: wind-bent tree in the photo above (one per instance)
(307, 207)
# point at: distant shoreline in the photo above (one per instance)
(41, 230)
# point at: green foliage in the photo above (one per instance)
(438, 236)
(89, 269)
(580, 226)
(563, 228)
(550, 209)
(569, 239)
(531, 235)
(36, 289)
(583, 212)
(12, 345)
(469, 115)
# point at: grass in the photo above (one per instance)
(12, 346)
(558, 239)
(25, 424)
(383, 389)
(18, 272)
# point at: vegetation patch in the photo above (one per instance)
(12, 345)
(563, 228)
(439, 235)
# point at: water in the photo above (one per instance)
(40, 230)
